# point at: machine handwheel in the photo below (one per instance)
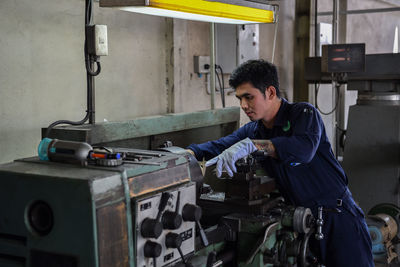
(306, 257)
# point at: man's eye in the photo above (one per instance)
(250, 97)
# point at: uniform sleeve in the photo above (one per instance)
(302, 145)
(211, 149)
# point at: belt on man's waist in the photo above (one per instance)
(345, 200)
(331, 202)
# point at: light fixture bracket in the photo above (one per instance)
(218, 11)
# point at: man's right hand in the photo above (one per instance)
(267, 146)
(226, 160)
(191, 152)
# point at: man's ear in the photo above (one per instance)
(270, 93)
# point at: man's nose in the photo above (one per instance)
(243, 104)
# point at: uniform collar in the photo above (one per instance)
(281, 118)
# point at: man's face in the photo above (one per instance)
(253, 102)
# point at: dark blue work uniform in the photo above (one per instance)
(308, 175)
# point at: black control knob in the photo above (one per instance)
(191, 213)
(173, 240)
(151, 228)
(171, 220)
(152, 249)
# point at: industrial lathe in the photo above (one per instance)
(76, 205)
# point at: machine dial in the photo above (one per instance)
(171, 220)
(152, 249)
(151, 228)
(191, 213)
(173, 240)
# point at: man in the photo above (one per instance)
(300, 158)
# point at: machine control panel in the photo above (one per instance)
(163, 233)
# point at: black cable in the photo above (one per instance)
(89, 60)
(316, 100)
(51, 126)
(88, 12)
(223, 85)
(340, 129)
(221, 88)
(342, 138)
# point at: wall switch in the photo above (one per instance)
(201, 64)
(97, 40)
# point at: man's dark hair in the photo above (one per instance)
(260, 73)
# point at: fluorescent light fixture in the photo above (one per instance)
(222, 11)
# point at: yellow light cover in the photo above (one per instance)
(216, 9)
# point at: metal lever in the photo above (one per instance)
(153, 227)
(320, 222)
(203, 235)
(163, 203)
(177, 202)
(192, 213)
(182, 257)
(174, 240)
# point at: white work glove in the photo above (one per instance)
(226, 160)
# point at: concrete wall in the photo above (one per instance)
(42, 73)
(149, 69)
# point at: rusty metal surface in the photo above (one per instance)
(196, 174)
(149, 182)
(112, 236)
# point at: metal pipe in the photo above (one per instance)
(335, 97)
(212, 64)
(335, 20)
(316, 49)
(316, 35)
(275, 33)
(91, 96)
(361, 11)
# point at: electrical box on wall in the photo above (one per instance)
(236, 44)
(201, 64)
(97, 40)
